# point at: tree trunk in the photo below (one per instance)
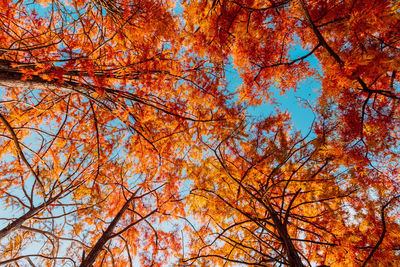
(17, 223)
(291, 251)
(89, 260)
(12, 77)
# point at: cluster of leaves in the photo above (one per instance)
(121, 141)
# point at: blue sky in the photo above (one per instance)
(296, 103)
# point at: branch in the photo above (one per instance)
(20, 152)
(321, 39)
(383, 231)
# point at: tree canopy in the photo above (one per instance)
(124, 142)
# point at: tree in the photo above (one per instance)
(110, 110)
(84, 87)
(268, 196)
(356, 44)
(356, 47)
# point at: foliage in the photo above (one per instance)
(122, 142)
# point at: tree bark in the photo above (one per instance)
(12, 77)
(291, 251)
(89, 260)
(17, 223)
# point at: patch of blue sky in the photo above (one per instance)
(298, 103)
(178, 9)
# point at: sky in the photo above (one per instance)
(295, 102)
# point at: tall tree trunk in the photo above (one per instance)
(12, 77)
(291, 251)
(89, 260)
(17, 223)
